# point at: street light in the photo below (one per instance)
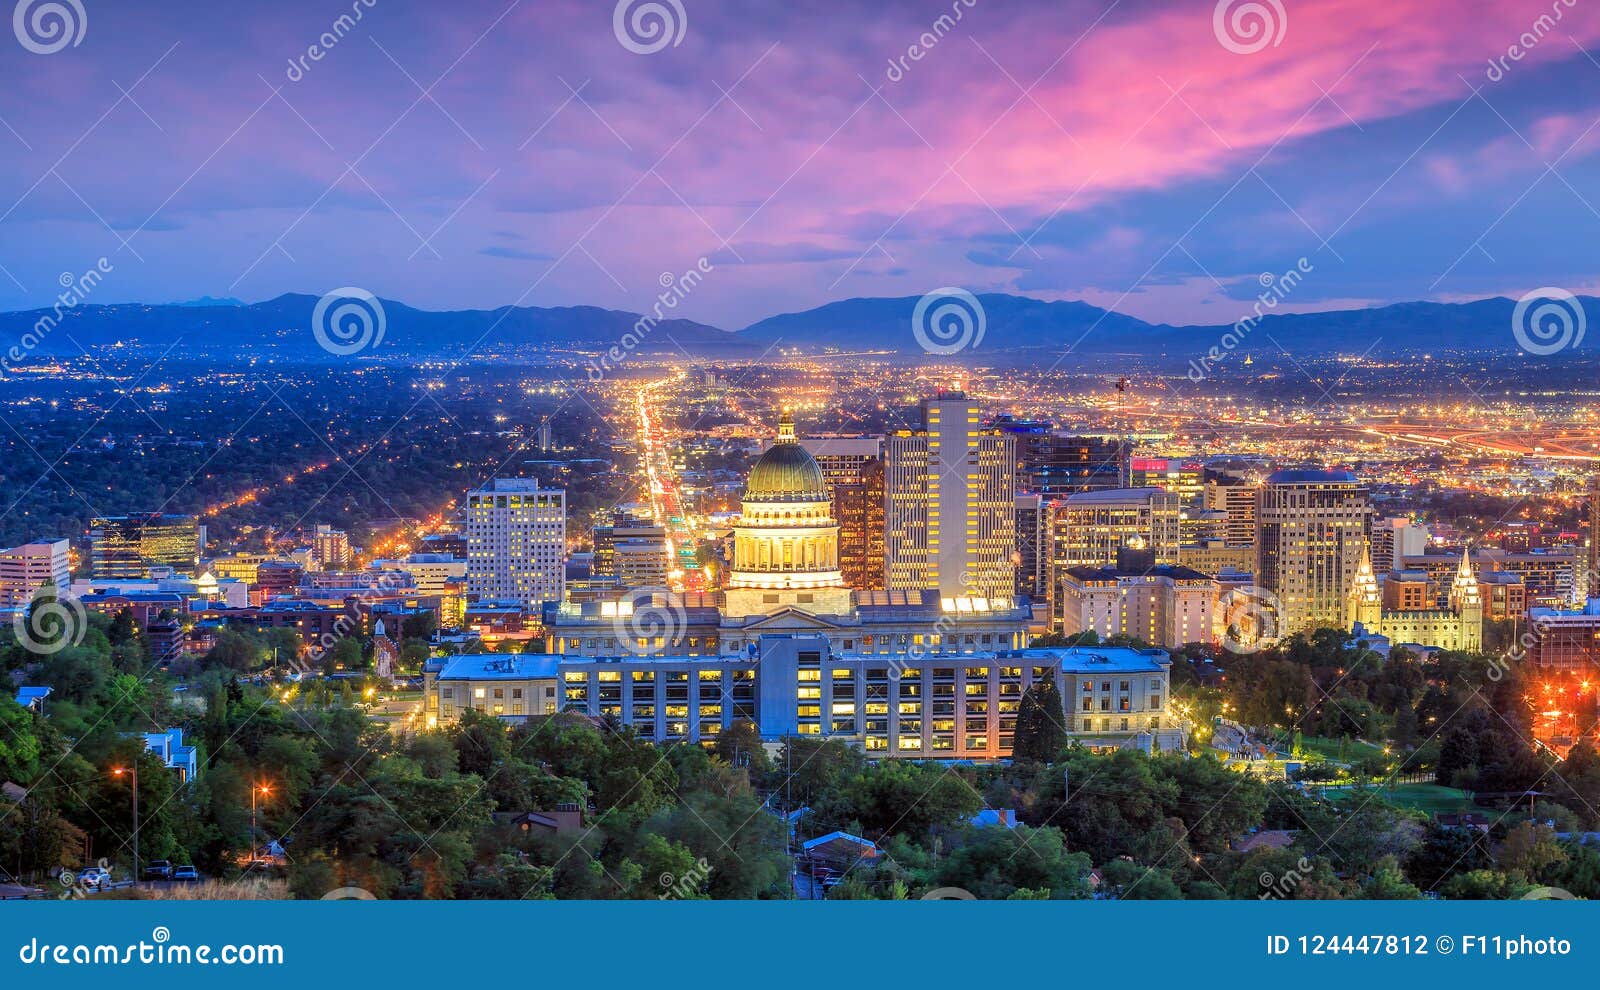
(133, 771)
(264, 790)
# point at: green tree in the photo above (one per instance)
(1041, 734)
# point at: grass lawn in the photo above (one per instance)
(1430, 798)
(1339, 750)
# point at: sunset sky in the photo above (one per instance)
(1115, 152)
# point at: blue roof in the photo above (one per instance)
(500, 667)
(28, 695)
(1305, 477)
(1097, 658)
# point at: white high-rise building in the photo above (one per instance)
(26, 569)
(1313, 530)
(950, 504)
(517, 541)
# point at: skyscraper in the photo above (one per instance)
(1235, 497)
(853, 469)
(1054, 463)
(1313, 531)
(26, 569)
(1591, 583)
(950, 510)
(516, 541)
(1033, 558)
(127, 547)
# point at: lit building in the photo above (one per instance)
(1054, 464)
(852, 467)
(949, 504)
(918, 707)
(1215, 556)
(1235, 498)
(239, 566)
(330, 548)
(644, 540)
(26, 569)
(1550, 578)
(1401, 609)
(1395, 539)
(1160, 604)
(130, 546)
(430, 573)
(1090, 528)
(1565, 641)
(1033, 547)
(516, 541)
(1184, 478)
(1313, 529)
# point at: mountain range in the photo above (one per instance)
(1012, 325)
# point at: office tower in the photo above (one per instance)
(950, 510)
(633, 552)
(853, 470)
(1235, 497)
(1314, 527)
(330, 548)
(26, 569)
(1184, 478)
(516, 541)
(127, 547)
(1051, 463)
(842, 459)
(1033, 559)
(1089, 528)
(1397, 538)
(1163, 605)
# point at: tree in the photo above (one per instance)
(1532, 850)
(995, 863)
(740, 746)
(1041, 734)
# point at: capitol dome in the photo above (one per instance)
(786, 472)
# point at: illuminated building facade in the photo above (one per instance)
(950, 505)
(852, 467)
(1163, 605)
(516, 541)
(1400, 608)
(1314, 527)
(26, 569)
(130, 546)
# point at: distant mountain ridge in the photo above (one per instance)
(1009, 323)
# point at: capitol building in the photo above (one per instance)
(785, 580)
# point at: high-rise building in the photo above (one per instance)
(1592, 576)
(1395, 539)
(1313, 530)
(853, 470)
(1183, 478)
(950, 504)
(516, 541)
(26, 569)
(1051, 463)
(632, 552)
(127, 547)
(1033, 557)
(330, 548)
(1235, 497)
(1089, 528)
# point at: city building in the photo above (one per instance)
(1550, 578)
(646, 551)
(1165, 605)
(852, 468)
(949, 493)
(1400, 607)
(1055, 464)
(517, 541)
(920, 707)
(1182, 477)
(1235, 497)
(130, 546)
(1313, 532)
(1215, 556)
(1090, 528)
(1565, 641)
(26, 569)
(1397, 538)
(1033, 547)
(330, 548)
(175, 754)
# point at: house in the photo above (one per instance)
(174, 754)
(1274, 838)
(566, 819)
(991, 817)
(840, 849)
(32, 698)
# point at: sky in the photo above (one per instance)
(1160, 159)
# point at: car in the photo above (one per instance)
(94, 877)
(160, 869)
(185, 873)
